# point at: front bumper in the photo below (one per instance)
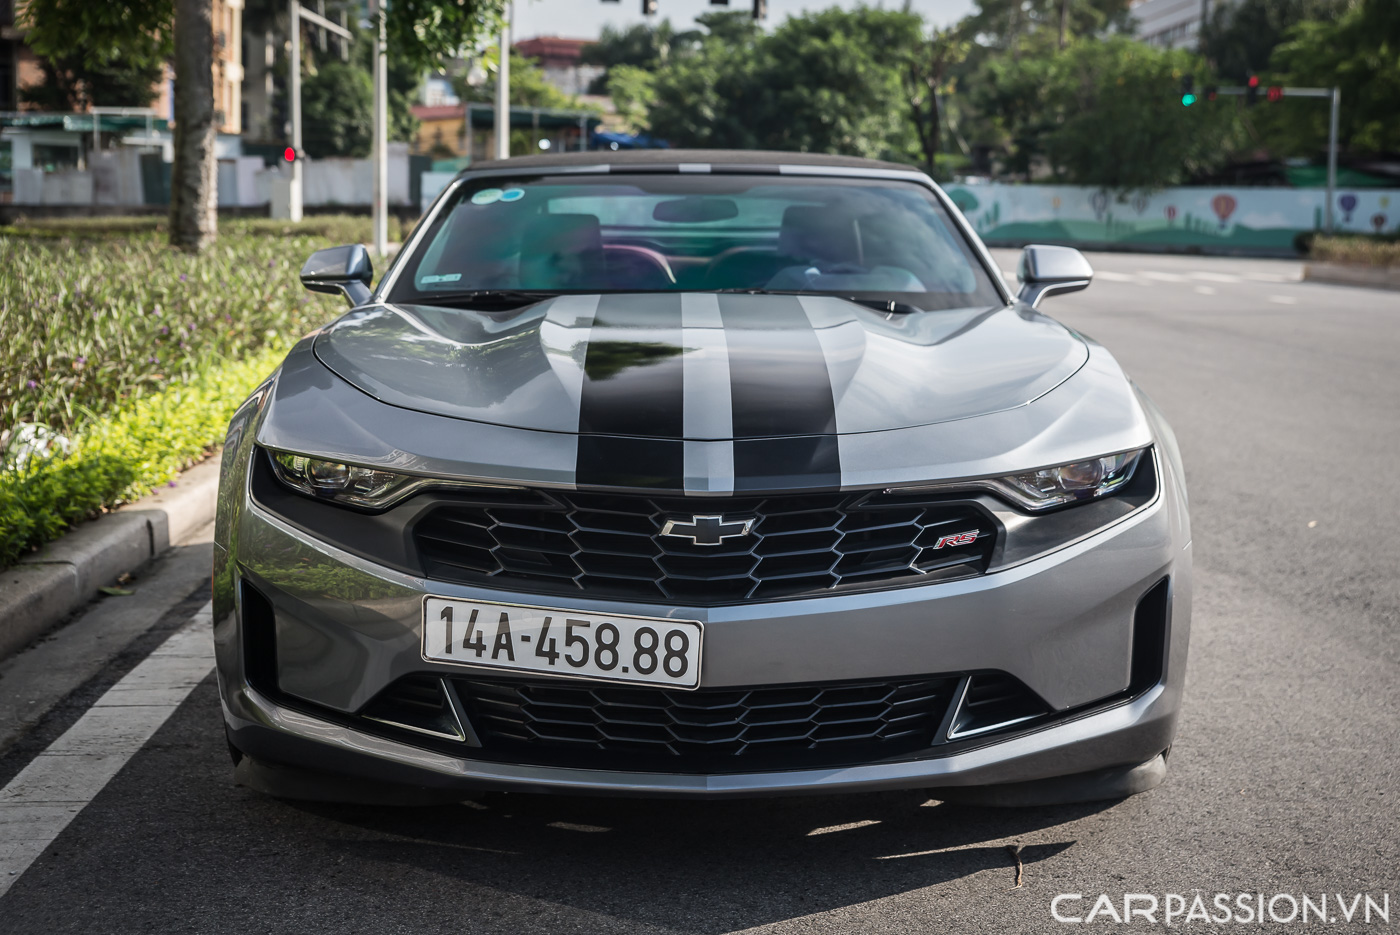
(1062, 624)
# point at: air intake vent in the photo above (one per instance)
(992, 701)
(422, 704)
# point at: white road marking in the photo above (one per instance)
(1283, 299)
(1216, 277)
(1109, 275)
(1270, 277)
(1161, 277)
(56, 785)
(1206, 290)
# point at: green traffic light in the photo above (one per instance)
(1187, 100)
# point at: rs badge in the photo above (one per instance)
(961, 538)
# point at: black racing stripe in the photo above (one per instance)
(779, 384)
(633, 383)
(735, 169)
(631, 411)
(780, 390)
(610, 461)
(804, 462)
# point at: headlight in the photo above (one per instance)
(345, 483)
(1082, 480)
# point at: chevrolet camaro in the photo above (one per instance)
(690, 473)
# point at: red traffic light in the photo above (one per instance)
(1254, 81)
(289, 154)
(1275, 93)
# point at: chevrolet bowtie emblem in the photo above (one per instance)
(707, 530)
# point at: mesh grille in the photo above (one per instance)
(710, 730)
(611, 545)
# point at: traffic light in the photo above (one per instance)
(289, 155)
(649, 7)
(1212, 92)
(1251, 91)
(1275, 93)
(760, 9)
(1188, 88)
(719, 2)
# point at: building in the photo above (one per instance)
(444, 132)
(228, 71)
(1172, 24)
(560, 60)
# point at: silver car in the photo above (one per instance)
(699, 474)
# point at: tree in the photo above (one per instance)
(1241, 37)
(925, 75)
(642, 46)
(337, 111)
(194, 217)
(106, 54)
(1105, 112)
(633, 92)
(821, 82)
(1357, 51)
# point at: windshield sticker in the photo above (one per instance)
(487, 196)
(512, 194)
(441, 277)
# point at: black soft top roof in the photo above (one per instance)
(669, 157)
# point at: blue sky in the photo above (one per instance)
(584, 19)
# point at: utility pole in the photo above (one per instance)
(381, 131)
(1332, 120)
(294, 8)
(503, 89)
(297, 13)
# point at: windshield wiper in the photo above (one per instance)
(488, 298)
(880, 305)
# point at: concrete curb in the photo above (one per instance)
(1346, 274)
(46, 586)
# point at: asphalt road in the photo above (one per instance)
(1286, 399)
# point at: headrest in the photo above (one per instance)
(561, 251)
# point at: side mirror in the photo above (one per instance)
(1047, 270)
(347, 270)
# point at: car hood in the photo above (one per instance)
(700, 365)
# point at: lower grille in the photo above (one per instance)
(705, 731)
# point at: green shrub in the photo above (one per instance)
(1357, 248)
(122, 457)
(92, 325)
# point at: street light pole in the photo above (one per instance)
(1332, 120)
(294, 69)
(381, 132)
(503, 90)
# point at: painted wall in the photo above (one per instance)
(1221, 218)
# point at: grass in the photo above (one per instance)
(337, 228)
(1360, 250)
(93, 324)
(137, 353)
(122, 457)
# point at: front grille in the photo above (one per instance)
(582, 725)
(603, 545)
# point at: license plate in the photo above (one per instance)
(578, 644)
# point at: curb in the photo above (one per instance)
(1346, 274)
(46, 586)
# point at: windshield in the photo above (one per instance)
(866, 239)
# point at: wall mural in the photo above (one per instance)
(1227, 219)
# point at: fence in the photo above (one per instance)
(1247, 220)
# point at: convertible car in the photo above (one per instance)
(691, 473)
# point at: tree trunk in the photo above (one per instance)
(194, 216)
(1064, 22)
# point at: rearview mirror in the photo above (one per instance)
(347, 270)
(1047, 270)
